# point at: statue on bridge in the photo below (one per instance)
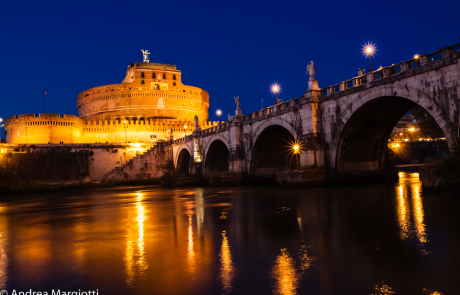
(311, 70)
(361, 72)
(197, 126)
(238, 102)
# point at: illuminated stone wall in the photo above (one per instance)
(54, 128)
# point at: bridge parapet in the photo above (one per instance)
(421, 63)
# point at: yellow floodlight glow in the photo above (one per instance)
(295, 147)
(397, 145)
(185, 126)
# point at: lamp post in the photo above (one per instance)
(218, 113)
(1, 126)
(369, 51)
(275, 88)
(185, 130)
(126, 131)
(411, 133)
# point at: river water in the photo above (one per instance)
(369, 239)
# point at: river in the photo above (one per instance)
(366, 239)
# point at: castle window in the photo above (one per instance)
(153, 75)
(174, 83)
(142, 75)
(174, 77)
(142, 82)
(164, 76)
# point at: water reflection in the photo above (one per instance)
(132, 241)
(226, 268)
(140, 241)
(191, 263)
(383, 290)
(410, 202)
(254, 240)
(285, 274)
(3, 253)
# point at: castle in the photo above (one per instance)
(150, 105)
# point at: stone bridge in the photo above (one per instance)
(344, 127)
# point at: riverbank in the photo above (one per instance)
(42, 187)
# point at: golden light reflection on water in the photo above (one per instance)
(226, 268)
(285, 274)
(131, 242)
(383, 290)
(3, 253)
(191, 263)
(410, 185)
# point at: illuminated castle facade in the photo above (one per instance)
(150, 104)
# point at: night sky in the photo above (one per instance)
(228, 48)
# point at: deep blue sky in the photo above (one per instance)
(228, 48)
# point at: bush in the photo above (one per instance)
(450, 165)
(169, 177)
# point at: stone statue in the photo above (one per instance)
(229, 117)
(278, 100)
(146, 55)
(361, 72)
(196, 120)
(311, 70)
(238, 102)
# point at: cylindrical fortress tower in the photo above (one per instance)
(150, 91)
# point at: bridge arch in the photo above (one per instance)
(216, 157)
(183, 160)
(379, 109)
(271, 150)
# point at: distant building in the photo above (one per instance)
(407, 130)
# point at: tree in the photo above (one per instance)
(427, 124)
(169, 177)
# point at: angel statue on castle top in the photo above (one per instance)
(146, 55)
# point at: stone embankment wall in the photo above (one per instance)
(62, 163)
(147, 165)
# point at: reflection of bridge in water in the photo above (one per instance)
(344, 127)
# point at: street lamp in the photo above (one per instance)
(369, 49)
(218, 113)
(185, 130)
(126, 131)
(1, 126)
(275, 88)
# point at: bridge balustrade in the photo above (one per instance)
(378, 75)
(436, 56)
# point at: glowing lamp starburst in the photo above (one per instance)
(218, 113)
(369, 49)
(275, 88)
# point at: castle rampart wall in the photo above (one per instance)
(54, 128)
